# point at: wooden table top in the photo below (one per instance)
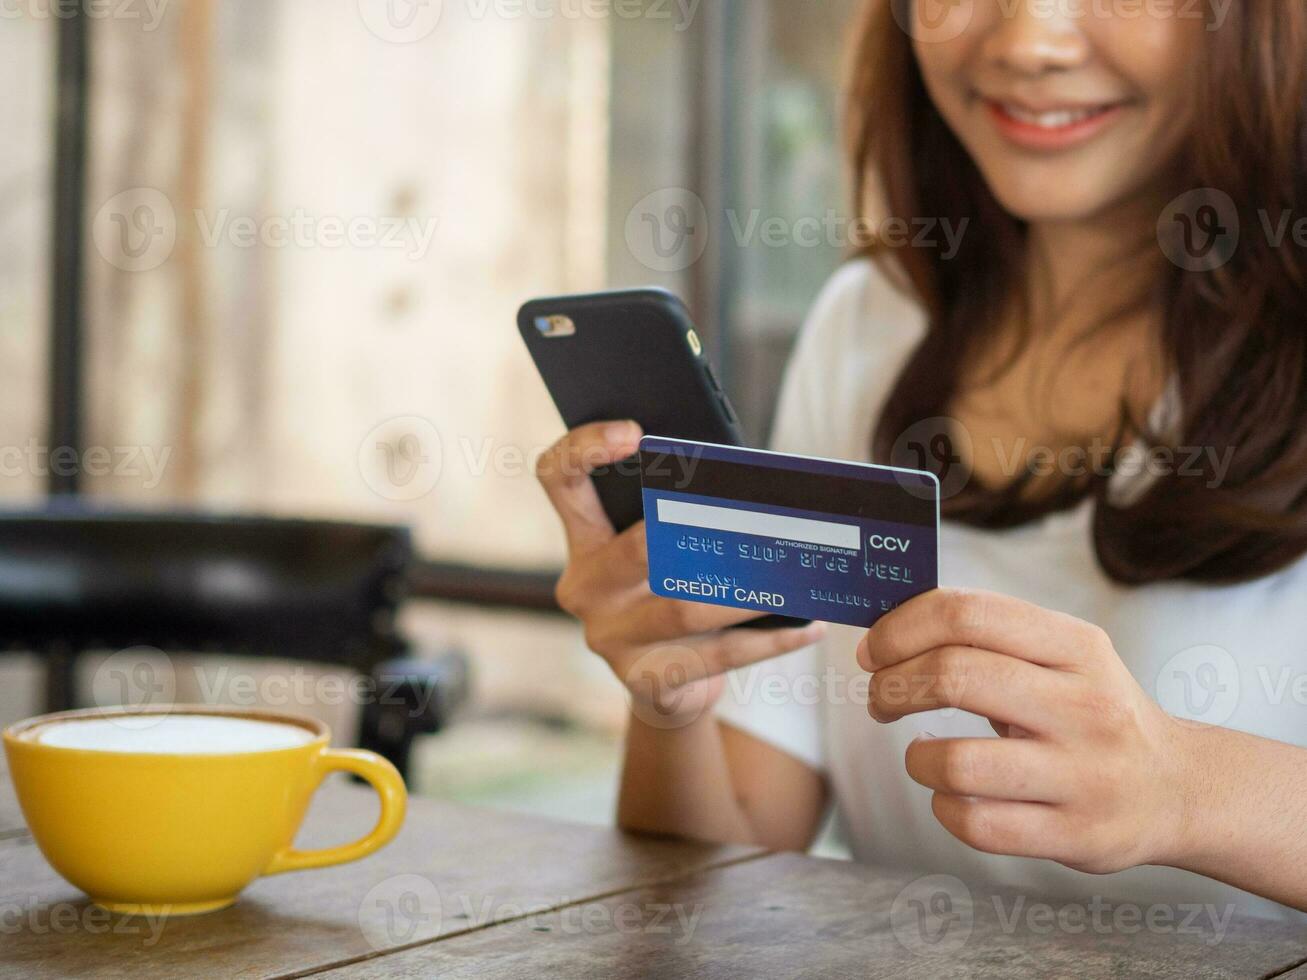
(472, 893)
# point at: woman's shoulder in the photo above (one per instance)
(867, 303)
(864, 318)
(856, 341)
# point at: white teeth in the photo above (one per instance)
(1054, 119)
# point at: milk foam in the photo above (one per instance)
(173, 735)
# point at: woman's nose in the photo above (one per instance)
(1032, 37)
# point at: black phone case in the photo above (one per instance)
(630, 358)
(634, 356)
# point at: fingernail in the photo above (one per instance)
(618, 432)
(926, 736)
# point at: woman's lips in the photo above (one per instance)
(1051, 129)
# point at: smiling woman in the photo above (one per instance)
(1064, 136)
(1065, 124)
(1111, 624)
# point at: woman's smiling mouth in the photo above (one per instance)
(1052, 127)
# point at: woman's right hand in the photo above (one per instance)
(671, 655)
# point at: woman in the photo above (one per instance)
(1058, 348)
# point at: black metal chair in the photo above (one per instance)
(77, 580)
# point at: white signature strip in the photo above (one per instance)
(800, 529)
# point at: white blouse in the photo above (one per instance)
(1233, 656)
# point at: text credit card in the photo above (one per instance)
(808, 538)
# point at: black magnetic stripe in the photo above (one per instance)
(770, 487)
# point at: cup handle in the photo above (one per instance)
(388, 783)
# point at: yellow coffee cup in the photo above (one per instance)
(173, 832)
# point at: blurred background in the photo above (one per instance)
(288, 288)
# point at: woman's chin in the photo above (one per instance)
(1051, 206)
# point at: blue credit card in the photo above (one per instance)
(808, 538)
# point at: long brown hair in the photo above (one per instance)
(1234, 335)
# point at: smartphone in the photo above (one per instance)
(627, 355)
(634, 355)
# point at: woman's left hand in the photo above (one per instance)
(1089, 771)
